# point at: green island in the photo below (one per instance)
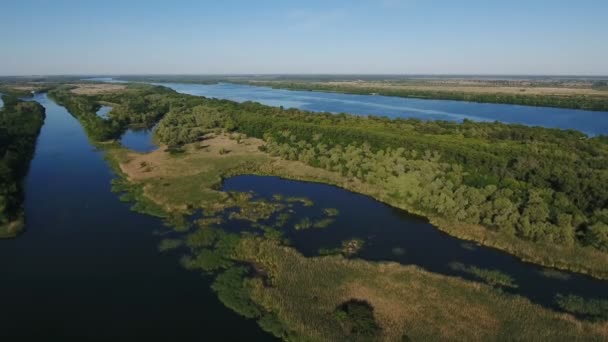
(487, 182)
(20, 123)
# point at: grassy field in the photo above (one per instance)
(407, 302)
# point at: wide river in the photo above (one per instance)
(592, 123)
(88, 268)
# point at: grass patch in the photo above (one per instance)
(407, 301)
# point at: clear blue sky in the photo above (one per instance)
(239, 36)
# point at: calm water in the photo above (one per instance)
(88, 269)
(103, 111)
(139, 140)
(592, 123)
(391, 234)
(136, 139)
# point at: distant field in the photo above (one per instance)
(94, 89)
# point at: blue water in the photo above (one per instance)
(103, 111)
(391, 234)
(87, 268)
(139, 140)
(592, 123)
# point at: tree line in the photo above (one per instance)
(20, 123)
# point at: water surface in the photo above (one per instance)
(139, 139)
(88, 269)
(103, 111)
(392, 234)
(590, 122)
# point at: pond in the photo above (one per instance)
(103, 111)
(88, 268)
(139, 139)
(391, 234)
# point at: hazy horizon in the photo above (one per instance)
(236, 37)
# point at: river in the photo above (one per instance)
(590, 122)
(88, 268)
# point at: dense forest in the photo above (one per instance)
(537, 184)
(586, 102)
(20, 124)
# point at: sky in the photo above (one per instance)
(539, 37)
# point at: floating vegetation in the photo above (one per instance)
(352, 247)
(304, 223)
(491, 277)
(332, 212)
(209, 221)
(554, 274)
(303, 200)
(169, 244)
(323, 223)
(255, 211)
(349, 248)
(282, 220)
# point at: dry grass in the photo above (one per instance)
(191, 178)
(94, 89)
